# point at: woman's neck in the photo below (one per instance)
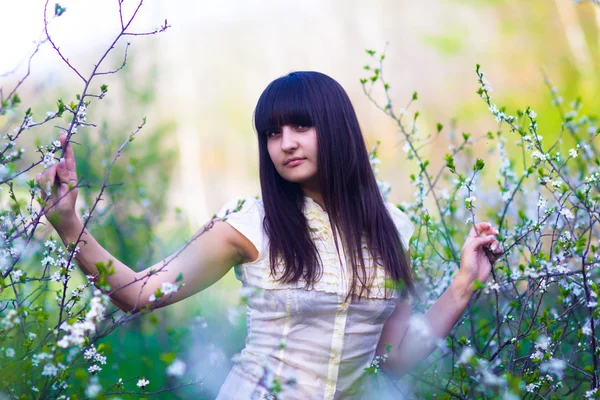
(315, 195)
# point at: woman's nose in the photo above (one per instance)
(288, 140)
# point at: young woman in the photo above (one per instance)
(320, 248)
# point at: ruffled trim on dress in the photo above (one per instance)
(331, 279)
(320, 232)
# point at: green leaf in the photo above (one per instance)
(477, 284)
(61, 108)
(104, 88)
(168, 358)
(450, 162)
(479, 164)
(15, 100)
(415, 96)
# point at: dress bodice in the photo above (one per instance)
(311, 343)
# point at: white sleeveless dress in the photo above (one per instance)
(306, 344)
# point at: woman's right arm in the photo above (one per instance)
(206, 259)
(201, 262)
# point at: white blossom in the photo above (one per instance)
(35, 360)
(10, 320)
(537, 355)
(50, 370)
(586, 329)
(492, 380)
(573, 153)
(567, 214)
(466, 355)
(17, 274)
(142, 383)
(177, 368)
(486, 85)
(555, 366)
(89, 353)
(77, 332)
(48, 160)
(94, 368)
(93, 388)
(532, 387)
(406, 147)
(469, 201)
(542, 203)
(168, 288)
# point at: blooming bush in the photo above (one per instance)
(53, 323)
(531, 329)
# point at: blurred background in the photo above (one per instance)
(198, 82)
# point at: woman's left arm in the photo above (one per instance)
(413, 340)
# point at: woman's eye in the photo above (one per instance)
(271, 133)
(301, 127)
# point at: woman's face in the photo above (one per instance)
(293, 150)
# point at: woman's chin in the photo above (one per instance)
(297, 178)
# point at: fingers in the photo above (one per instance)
(491, 242)
(62, 172)
(69, 173)
(486, 236)
(485, 228)
(46, 179)
(69, 156)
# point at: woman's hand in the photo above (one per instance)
(57, 179)
(479, 253)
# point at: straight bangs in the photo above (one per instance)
(286, 101)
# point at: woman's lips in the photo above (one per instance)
(293, 163)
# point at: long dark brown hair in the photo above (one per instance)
(353, 201)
